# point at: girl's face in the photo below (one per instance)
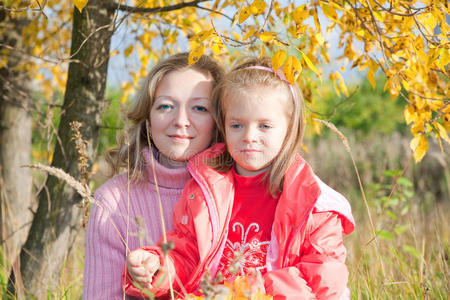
(180, 123)
(256, 122)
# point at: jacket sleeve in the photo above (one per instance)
(321, 272)
(181, 260)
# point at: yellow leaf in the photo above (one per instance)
(128, 51)
(266, 36)
(217, 46)
(195, 55)
(409, 114)
(258, 7)
(444, 60)
(429, 21)
(371, 78)
(329, 11)
(342, 85)
(320, 38)
(80, 4)
(405, 84)
(440, 141)
(316, 125)
(278, 59)
(292, 68)
(204, 35)
(249, 33)
(300, 14)
(442, 132)
(310, 64)
(419, 145)
(244, 13)
(262, 51)
(378, 16)
(305, 148)
(333, 79)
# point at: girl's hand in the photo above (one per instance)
(142, 266)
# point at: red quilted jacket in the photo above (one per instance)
(306, 255)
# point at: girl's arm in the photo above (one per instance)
(180, 261)
(321, 272)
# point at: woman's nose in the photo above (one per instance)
(182, 118)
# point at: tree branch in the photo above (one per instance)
(152, 10)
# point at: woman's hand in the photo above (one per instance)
(142, 267)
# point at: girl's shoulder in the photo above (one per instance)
(330, 200)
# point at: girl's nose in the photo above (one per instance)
(182, 118)
(250, 135)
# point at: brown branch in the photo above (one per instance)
(389, 10)
(152, 10)
(215, 12)
(46, 59)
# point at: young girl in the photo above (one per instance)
(253, 204)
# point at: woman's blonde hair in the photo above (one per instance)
(130, 154)
(243, 77)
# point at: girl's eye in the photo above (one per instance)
(200, 108)
(236, 126)
(265, 126)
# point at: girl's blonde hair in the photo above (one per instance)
(243, 77)
(130, 154)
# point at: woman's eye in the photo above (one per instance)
(200, 108)
(164, 107)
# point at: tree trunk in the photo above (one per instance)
(15, 144)
(59, 214)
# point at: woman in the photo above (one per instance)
(175, 99)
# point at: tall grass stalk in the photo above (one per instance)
(349, 151)
(161, 214)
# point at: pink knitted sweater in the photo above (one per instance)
(133, 217)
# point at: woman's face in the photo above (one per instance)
(180, 121)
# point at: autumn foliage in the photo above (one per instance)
(407, 41)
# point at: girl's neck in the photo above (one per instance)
(249, 173)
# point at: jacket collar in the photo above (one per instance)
(300, 189)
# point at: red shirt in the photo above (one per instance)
(250, 227)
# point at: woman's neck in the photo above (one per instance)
(171, 164)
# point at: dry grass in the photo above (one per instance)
(415, 261)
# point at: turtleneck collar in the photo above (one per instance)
(166, 177)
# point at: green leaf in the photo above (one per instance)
(405, 182)
(399, 229)
(391, 214)
(413, 251)
(385, 235)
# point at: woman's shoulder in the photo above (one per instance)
(112, 188)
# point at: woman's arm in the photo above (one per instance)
(104, 256)
(181, 261)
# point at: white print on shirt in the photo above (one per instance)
(246, 255)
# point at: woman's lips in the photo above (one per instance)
(180, 138)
